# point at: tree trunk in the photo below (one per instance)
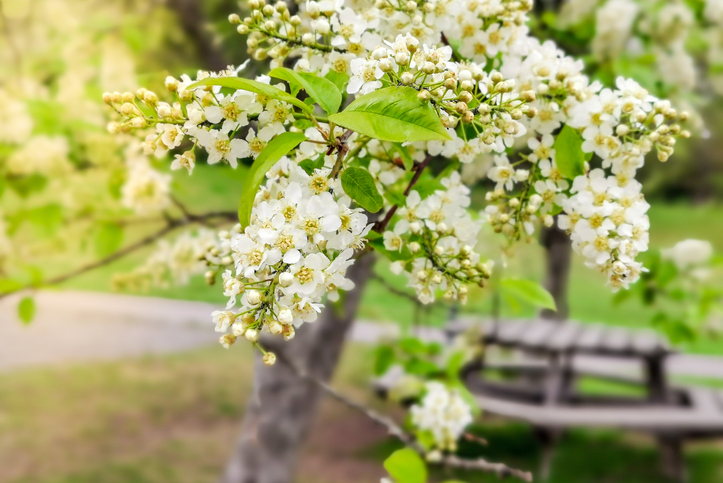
(194, 24)
(282, 406)
(558, 256)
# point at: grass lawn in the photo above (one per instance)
(175, 418)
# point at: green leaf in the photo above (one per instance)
(392, 114)
(427, 187)
(383, 360)
(396, 198)
(25, 185)
(406, 466)
(404, 154)
(26, 309)
(322, 90)
(252, 86)
(358, 183)
(340, 80)
(9, 285)
(569, 156)
(276, 149)
(48, 218)
(108, 239)
(309, 165)
(528, 291)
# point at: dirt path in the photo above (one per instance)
(72, 326)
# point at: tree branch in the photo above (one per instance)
(500, 469)
(171, 224)
(380, 226)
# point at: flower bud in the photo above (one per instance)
(227, 340)
(251, 335)
(238, 329)
(253, 297)
(286, 317)
(414, 247)
(275, 328)
(402, 58)
(113, 127)
(138, 122)
(286, 279)
(288, 332)
(622, 130)
(243, 29)
(269, 358)
(308, 37)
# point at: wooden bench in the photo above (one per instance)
(544, 392)
(541, 389)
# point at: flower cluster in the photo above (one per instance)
(608, 225)
(505, 100)
(295, 251)
(689, 254)
(441, 236)
(172, 263)
(327, 36)
(443, 413)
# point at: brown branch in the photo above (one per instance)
(380, 226)
(479, 464)
(445, 41)
(392, 289)
(171, 224)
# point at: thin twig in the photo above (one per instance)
(500, 469)
(380, 226)
(171, 224)
(445, 41)
(342, 148)
(392, 289)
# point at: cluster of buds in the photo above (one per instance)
(269, 27)
(142, 109)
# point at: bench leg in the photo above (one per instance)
(672, 461)
(548, 438)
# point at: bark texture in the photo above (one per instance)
(282, 406)
(558, 257)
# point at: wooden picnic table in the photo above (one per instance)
(542, 391)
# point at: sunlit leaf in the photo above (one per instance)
(277, 148)
(359, 184)
(406, 466)
(26, 309)
(529, 292)
(323, 91)
(252, 86)
(569, 156)
(108, 238)
(392, 114)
